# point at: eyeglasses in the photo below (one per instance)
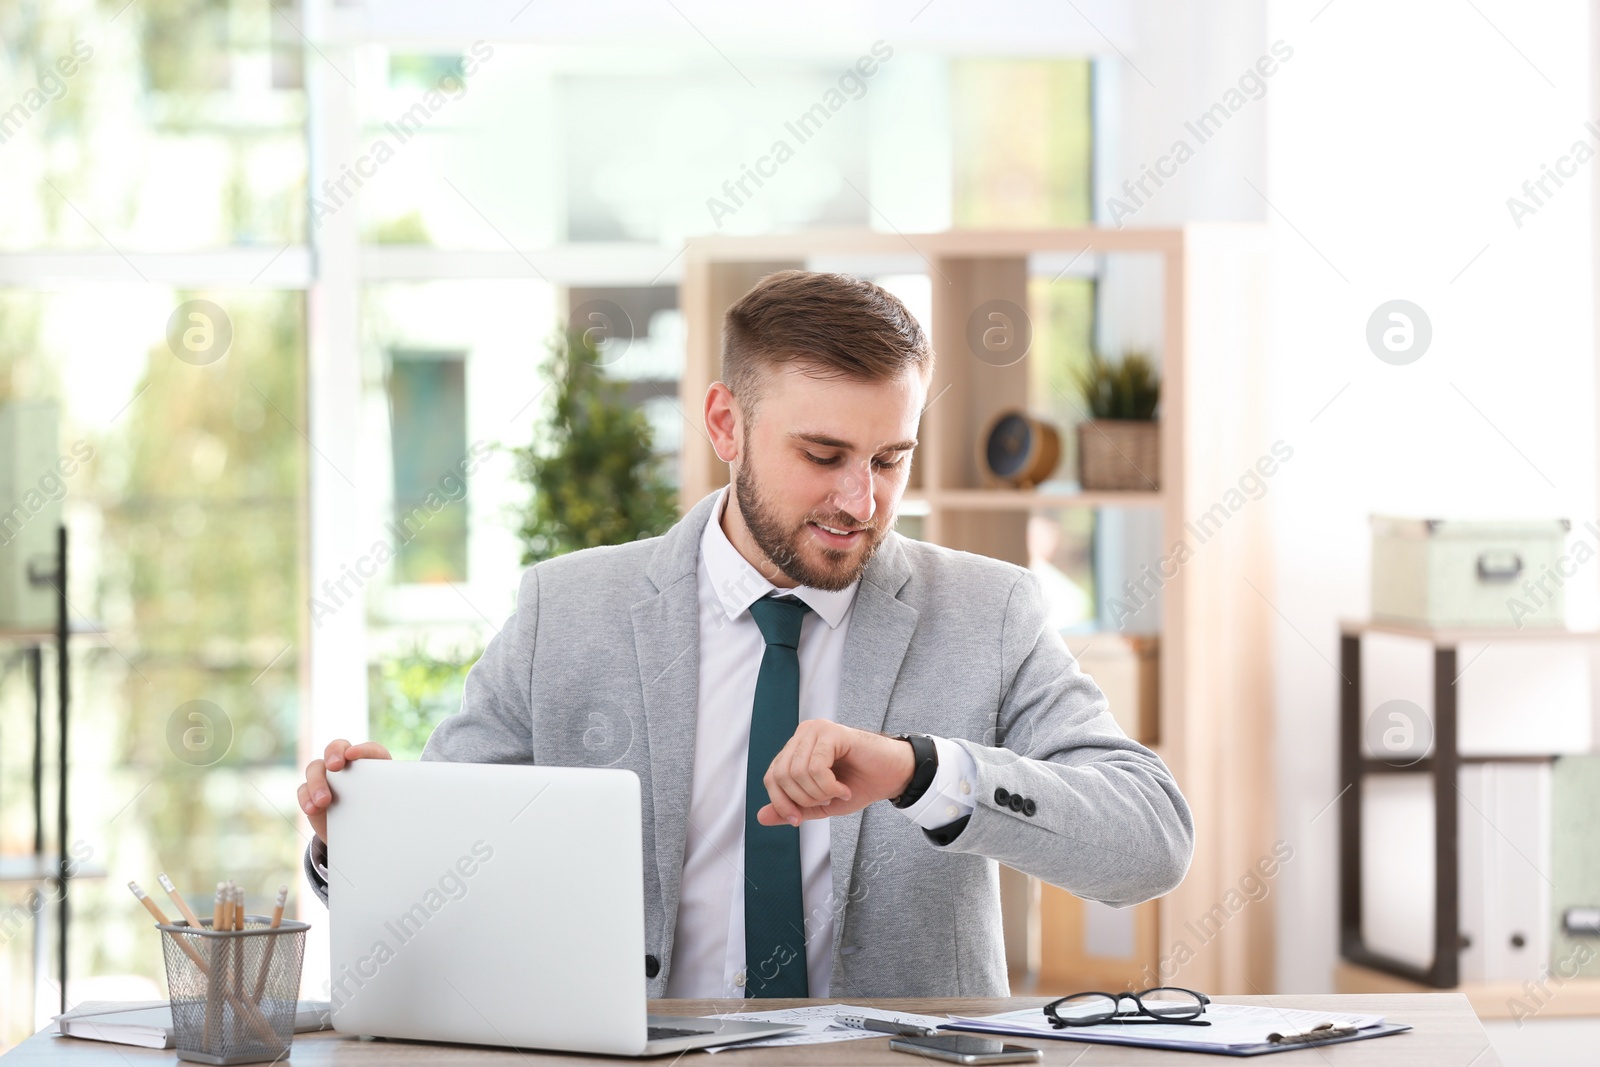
(1165, 1004)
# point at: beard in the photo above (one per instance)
(782, 543)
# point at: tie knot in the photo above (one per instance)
(780, 620)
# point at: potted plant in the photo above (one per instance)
(1119, 446)
(595, 475)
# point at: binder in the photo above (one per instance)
(1505, 857)
(1397, 875)
(1506, 868)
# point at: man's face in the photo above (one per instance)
(822, 468)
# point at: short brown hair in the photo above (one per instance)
(833, 325)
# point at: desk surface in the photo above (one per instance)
(1447, 1034)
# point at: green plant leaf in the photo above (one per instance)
(1128, 389)
(592, 465)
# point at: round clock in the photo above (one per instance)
(1018, 450)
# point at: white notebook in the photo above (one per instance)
(148, 1024)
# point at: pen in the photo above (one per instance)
(883, 1026)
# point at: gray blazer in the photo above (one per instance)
(599, 667)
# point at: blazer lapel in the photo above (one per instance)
(881, 626)
(666, 634)
(666, 640)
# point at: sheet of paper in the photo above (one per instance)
(1231, 1024)
(819, 1025)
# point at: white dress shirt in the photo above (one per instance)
(708, 948)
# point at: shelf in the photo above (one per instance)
(1029, 499)
(1373, 765)
(1574, 997)
(1455, 635)
(33, 635)
(952, 244)
(30, 868)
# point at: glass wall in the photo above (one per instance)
(168, 287)
(173, 128)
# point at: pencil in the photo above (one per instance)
(160, 917)
(266, 953)
(277, 909)
(238, 942)
(214, 988)
(149, 905)
(177, 898)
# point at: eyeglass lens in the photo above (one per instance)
(1170, 1003)
(1086, 1008)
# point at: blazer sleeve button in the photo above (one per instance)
(1017, 801)
(652, 966)
(1002, 796)
(1029, 807)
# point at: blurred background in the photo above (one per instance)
(280, 284)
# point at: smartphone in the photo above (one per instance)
(958, 1048)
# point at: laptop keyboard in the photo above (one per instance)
(662, 1033)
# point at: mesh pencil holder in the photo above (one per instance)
(234, 992)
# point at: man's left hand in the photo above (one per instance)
(827, 769)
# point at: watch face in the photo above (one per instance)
(1006, 451)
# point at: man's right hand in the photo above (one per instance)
(316, 794)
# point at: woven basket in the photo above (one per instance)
(1119, 454)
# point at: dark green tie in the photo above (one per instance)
(774, 908)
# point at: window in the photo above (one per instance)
(522, 187)
(428, 440)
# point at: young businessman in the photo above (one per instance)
(839, 731)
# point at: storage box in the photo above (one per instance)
(1119, 454)
(1435, 572)
(1574, 865)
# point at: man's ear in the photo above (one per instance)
(723, 418)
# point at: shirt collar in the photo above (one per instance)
(738, 585)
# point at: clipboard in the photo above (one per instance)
(1030, 1023)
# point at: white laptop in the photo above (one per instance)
(497, 905)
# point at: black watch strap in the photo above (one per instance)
(925, 754)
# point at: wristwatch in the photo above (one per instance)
(926, 757)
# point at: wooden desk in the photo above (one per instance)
(1447, 1034)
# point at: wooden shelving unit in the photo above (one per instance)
(1027, 500)
(1363, 970)
(40, 867)
(1215, 720)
